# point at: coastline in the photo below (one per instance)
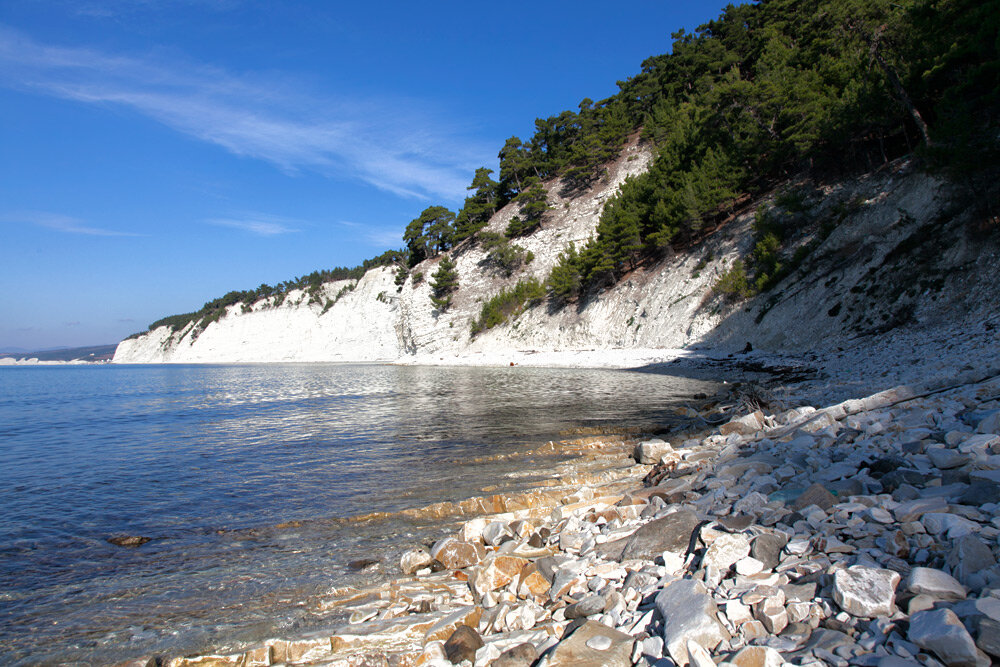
(530, 572)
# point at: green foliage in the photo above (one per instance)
(401, 275)
(502, 255)
(429, 234)
(563, 282)
(444, 281)
(734, 283)
(480, 207)
(534, 203)
(508, 304)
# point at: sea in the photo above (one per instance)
(246, 480)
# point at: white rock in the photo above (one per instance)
(650, 452)
(748, 566)
(865, 592)
(726, 551)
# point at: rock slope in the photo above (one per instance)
(900, 254)
(864, 533)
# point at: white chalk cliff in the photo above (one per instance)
(883, 266)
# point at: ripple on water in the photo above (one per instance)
(242, 475)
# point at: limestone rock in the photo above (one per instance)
(649, 452)
(415, 559)
(689, 612)
(669, 533)
(969, 555)
(726, 551)
(495, 573)
(757, 656)
(744, 425)
(946, 459)
(937, 584)
(578, 650)
(456, 554)
(940, 632)
(865, 592)
(588, 606)
(443, 629)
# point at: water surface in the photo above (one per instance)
(240, 475)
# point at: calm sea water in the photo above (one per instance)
(214, 463)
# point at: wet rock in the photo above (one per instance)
(865, 592)
(446, 626)
(935, 583)
(688, 612)
(415, 559)
(940, 632)
(363, 564)
(669, 533)
(128, 540)
(584, 649)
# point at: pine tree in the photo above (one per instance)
(444, 281)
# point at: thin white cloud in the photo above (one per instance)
(391, 144)
(60, 223)
(259, 225)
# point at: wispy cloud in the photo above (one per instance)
(60, 223)
(74, 323)
(259, 225)
(391, 144)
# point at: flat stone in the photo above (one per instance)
(522, 655)
(443, 629)
(670, 533)
(937, 584)
(689, 612)
(757, 656)
(588, 606)
(950, 525)
(946, 459)
(818, 495)
(463, 644)
(749, 566)
(725, 551)
(942, 633)
(865, 592)
(988, 636)
(576, 650)
(767, 549)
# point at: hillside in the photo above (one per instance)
(789, 176)
(901, 256)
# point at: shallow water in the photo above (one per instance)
(241, 476)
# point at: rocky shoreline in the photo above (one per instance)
(862, 533)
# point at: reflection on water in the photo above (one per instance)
(207, 460)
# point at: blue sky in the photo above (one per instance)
(155, 154)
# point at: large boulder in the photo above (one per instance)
(669, 533)
(941, 632)
(593, 644)
(455, 554)
(649, 452)
(689, 613)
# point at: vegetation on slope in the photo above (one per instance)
(766, 90)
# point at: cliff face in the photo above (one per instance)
(899, 255)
